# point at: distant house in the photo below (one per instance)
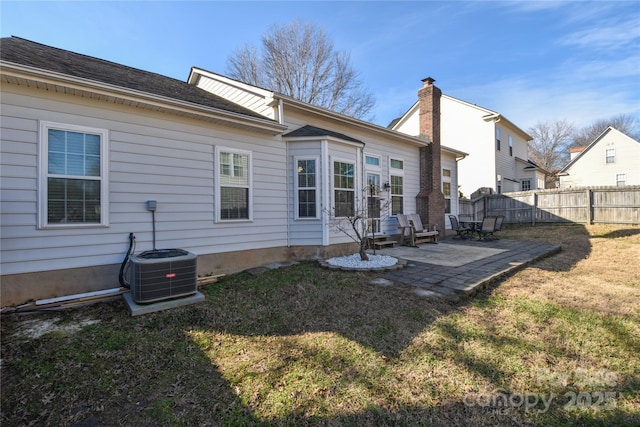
(497, 148)
(87, 142)
(612, 159)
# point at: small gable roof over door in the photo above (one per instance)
(312, 131)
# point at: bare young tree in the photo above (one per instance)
(622, 122)
(299, 60)
(359, 224)
(549, 148)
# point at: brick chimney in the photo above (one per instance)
(430, 200)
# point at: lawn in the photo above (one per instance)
(557, 343)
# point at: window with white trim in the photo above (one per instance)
(344, 188)
(73, 184)
(621, 179)
(396, 167)
(372, 161)
(446, 190)
(306, 188)
(234, 184)
(373, 201)
(610, 155)
(510, 145)
(498, 139)
(525, 185)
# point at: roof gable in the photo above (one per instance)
(603, 135)
(488, 115)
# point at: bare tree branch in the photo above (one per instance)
(622, 122)
(549, 148)
(299, 60)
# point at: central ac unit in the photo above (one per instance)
(162, 274)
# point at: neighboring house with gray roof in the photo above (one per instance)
(612, 159)
(87, 142)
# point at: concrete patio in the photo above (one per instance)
(458, 268)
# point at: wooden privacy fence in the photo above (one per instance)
(589, 205)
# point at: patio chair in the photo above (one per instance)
(487, 228)
(461, 231)
(405, 229)
(499, 221)
(422, 234)
(412, 231)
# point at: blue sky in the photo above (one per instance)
(530, 61)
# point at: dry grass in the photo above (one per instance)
(598, 269)
(307, 346)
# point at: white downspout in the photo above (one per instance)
(288, 171)
(326, 197)
(280, 111)
(289, 192)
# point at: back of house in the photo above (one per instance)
(86, 143)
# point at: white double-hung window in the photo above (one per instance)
(396, 168)
(344, 189)
(234, 184)
(610, 155)
(306, 188)
(73, 176)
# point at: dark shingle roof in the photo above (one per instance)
(315, 131)
(32, 54)
(393, 122)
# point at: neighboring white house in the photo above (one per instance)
(87, 142)
(497, 148)
(612, 159)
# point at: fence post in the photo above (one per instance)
(485, 201)
(590, 206)
(534, 208)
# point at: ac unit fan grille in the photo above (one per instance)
(155, 279)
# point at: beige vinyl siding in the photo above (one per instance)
(591, 169)
(507, 166)
(505, 163)
(152, 157)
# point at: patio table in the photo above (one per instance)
(472, 224)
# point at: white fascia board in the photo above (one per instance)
(497, 117)
(413, 110)
(587, 148)
(469, 104)
(254, 90)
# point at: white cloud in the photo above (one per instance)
(530, 99)
(605, 35)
